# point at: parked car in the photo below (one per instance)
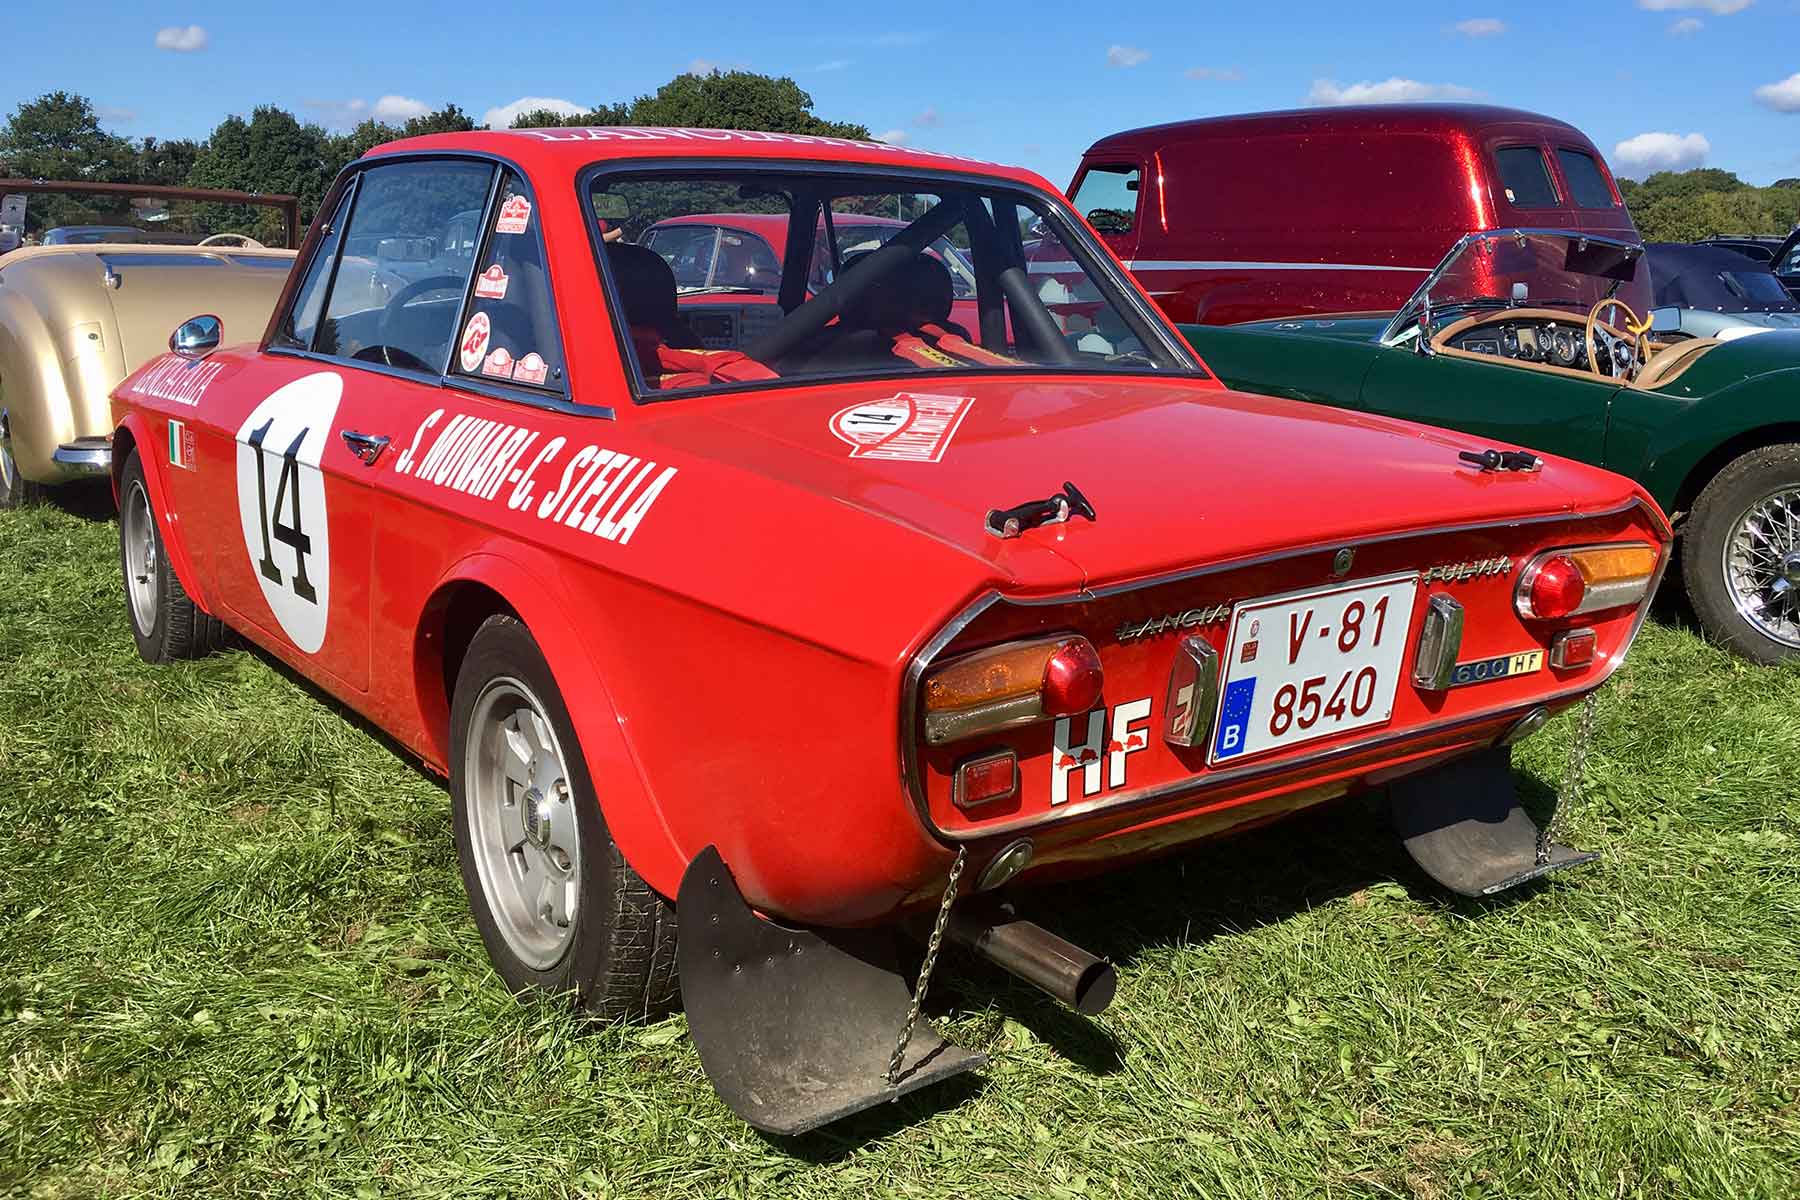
(863, 618)
(1538, 337)
(1780, 254)
(1708, 291)
(78, 316)
(1242, 218)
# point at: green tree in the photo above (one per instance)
(167, 163)
(272, 152)
(58, 136)
(715, 100)
(1683, 206)
(449, 119)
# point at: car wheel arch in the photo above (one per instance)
(126, 438)
(1708, 466)
(486, 585)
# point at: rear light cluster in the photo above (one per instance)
(1009, 685)
(1573, 583)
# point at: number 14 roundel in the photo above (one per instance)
(281, 500)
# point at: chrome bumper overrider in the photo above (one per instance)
(85, 456)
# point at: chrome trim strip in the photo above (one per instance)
(1440, 641)
(911, 781)
(958, 723)
(84, 459)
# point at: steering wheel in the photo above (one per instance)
(243, 240)
(1633, 336)
(390, 319)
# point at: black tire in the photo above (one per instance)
(167, 625)
(15, 490)
(618, 962)
(1716, 516)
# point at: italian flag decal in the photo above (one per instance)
(181, 445)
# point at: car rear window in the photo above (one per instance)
(1108, 197)
(1525, 177)
(1585, 181)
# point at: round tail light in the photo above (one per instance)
(1556, 589)
(1073, 679)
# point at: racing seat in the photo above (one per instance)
(668, 353)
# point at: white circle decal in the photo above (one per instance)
(281, 500)
(474, 343)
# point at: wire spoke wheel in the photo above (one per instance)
(142, 557)
(522, 821)
(1762, 566)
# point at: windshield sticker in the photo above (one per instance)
(515, 215)
(499, 364)
(531, 369)
(491, 283)
(474, 343)
(606, 493)
(281, 503)
(177, 380)
(908, 427)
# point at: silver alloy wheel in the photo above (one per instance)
(522, 828)
(1762, 566)
(137, 530)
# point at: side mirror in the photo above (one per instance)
(196, 337)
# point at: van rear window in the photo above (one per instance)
(1525, 177)
(1585, 181)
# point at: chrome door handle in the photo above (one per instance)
(366, 446)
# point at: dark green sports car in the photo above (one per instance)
(1540, 338)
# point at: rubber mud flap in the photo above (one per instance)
(1463, 825)
(795, 1026)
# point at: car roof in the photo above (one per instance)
(567, 150)
(1696, 268)
(1348, 118)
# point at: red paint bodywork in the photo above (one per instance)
(1243, 218)
(743, 671)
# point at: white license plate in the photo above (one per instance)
(1307, 666)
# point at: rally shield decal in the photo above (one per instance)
(473, 348)
(281, 501)
(908, 427)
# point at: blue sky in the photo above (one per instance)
(1655, 83)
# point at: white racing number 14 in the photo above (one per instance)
(281, 503)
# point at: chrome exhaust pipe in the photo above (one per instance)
(1034, 954)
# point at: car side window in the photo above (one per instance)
(1586, 183)
(1525, 177)
(302, 319)
(402, 274)
(1108, 197)
(510, 333)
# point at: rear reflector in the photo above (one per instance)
(1573, 648)
(1011, 685)
(1572, 583)
(986, 779)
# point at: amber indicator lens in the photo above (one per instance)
(1064, 671)
(1567, 583)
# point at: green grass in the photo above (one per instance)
(235, 959)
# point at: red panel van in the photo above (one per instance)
(1345, 209)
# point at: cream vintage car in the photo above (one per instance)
(76, 319)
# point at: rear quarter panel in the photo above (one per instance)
(59, 355)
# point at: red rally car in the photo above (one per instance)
(886, 595)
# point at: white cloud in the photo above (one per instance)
(706, 66)
(398, 110)
(929, 119)
(115, 116)
(1125, 56)
(1222, 74)
(836, 64)
(1478, 27)
(1723, 8)
(894, 137)
(1387, 91)
(1686, 26)
(1783, 96)
(503, 116)
(1648, 153)
(183, 39)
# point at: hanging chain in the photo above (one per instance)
(931, 954)
(1573, 775)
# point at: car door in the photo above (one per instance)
(1543, 410)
